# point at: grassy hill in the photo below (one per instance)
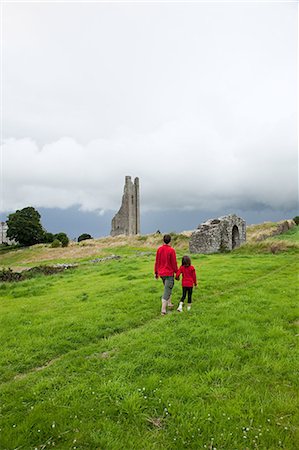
(259, 238)
(87, 361)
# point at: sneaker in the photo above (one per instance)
(188, 308)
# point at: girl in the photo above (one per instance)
(188, 281)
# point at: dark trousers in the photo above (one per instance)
(185, 291)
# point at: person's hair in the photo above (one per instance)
(186, 261)
(166, 238)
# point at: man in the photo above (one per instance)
(166, 267)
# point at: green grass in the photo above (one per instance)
(290, 235)
(87, 361)
(29, 257)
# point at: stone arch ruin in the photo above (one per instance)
(217, 235)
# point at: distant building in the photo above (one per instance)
(3, 234)
(127, 220)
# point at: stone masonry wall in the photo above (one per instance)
(127, 220)
(216, 235)
(3, 234)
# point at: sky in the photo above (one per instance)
(197, 99)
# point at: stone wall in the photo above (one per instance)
(127, 220)
(3, 234)
(216, 235)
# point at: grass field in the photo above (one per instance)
(87, 361)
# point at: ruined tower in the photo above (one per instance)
(127, 220)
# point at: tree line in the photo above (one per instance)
(24, 227)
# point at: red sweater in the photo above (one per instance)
(188, 276)
(166, 265)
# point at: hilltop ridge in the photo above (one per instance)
(269, 237)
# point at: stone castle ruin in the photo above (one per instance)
(127, 220)
(3, 234)
(217, 235)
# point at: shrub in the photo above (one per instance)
(62, 237)
(56, 243)
(84, 236)
(296, 220)
(48, 238)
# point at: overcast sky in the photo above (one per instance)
(199, 100)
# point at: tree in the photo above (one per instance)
(84, 236)
(296, 220)
(24, 226)
(62, 237)
(48, 238)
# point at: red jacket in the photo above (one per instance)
(166, 265)
(188, 276)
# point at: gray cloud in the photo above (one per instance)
(197, 100)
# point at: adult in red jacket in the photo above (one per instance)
(165, 268)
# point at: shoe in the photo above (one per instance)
(180, 307)
(163, 309)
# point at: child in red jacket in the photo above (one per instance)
(188, 281)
